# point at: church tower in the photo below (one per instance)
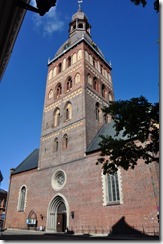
(78, 85)
(59, 187)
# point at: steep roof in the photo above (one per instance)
(107, 130)
(31, 162)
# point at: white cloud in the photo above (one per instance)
(49, 23)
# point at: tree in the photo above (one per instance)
(144, 2)
(137, 121)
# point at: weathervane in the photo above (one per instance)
(79, 2)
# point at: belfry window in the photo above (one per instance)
(80, 25)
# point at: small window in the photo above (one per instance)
(56, 144)
(97, 111)
(56, 117)
(69, 84)
(58, 90)
(69, 61)
(50, 94)
(95, 84)
(59, 68)
(68, 111)
(103, 91)
(65, 142)
(77, 78)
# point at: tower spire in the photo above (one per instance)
(79, 4)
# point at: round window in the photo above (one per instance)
(58, 179)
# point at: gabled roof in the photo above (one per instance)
(107, 130)
(31, 162)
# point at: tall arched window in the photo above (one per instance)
(22, 198)
(65, 142)
(95, 84)
(68, 111)
(68, 84)
(56, 117)
(58, 90)
(103, 88)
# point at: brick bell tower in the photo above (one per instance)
(78, 85)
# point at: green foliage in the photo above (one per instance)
(138, 121)
(144, 2)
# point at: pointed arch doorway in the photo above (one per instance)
(57, 214)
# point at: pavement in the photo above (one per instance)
(11, 234)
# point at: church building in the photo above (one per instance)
(59, 187)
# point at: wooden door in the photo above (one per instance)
(61, 222)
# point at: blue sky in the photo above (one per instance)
(126, 34)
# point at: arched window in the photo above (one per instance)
(77, 78)
(103, 91)
(22, 198)
(79, 54)
(74, 58)
(89, 79)
(59, 68)
(113, 194)
(80, 25)
(56, 117)
(68, 84)
(68, 111)
(69, 61)
(58, 90)
(97, 108)
(50, 75)
(65, 142)
(95, 84)
(50, 95)
(55, 144)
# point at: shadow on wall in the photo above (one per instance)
(122, 228)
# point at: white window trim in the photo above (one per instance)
(105, 190)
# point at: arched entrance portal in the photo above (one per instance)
(57, 215)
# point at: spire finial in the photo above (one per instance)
(79, 3)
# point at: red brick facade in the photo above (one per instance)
(83, 192)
